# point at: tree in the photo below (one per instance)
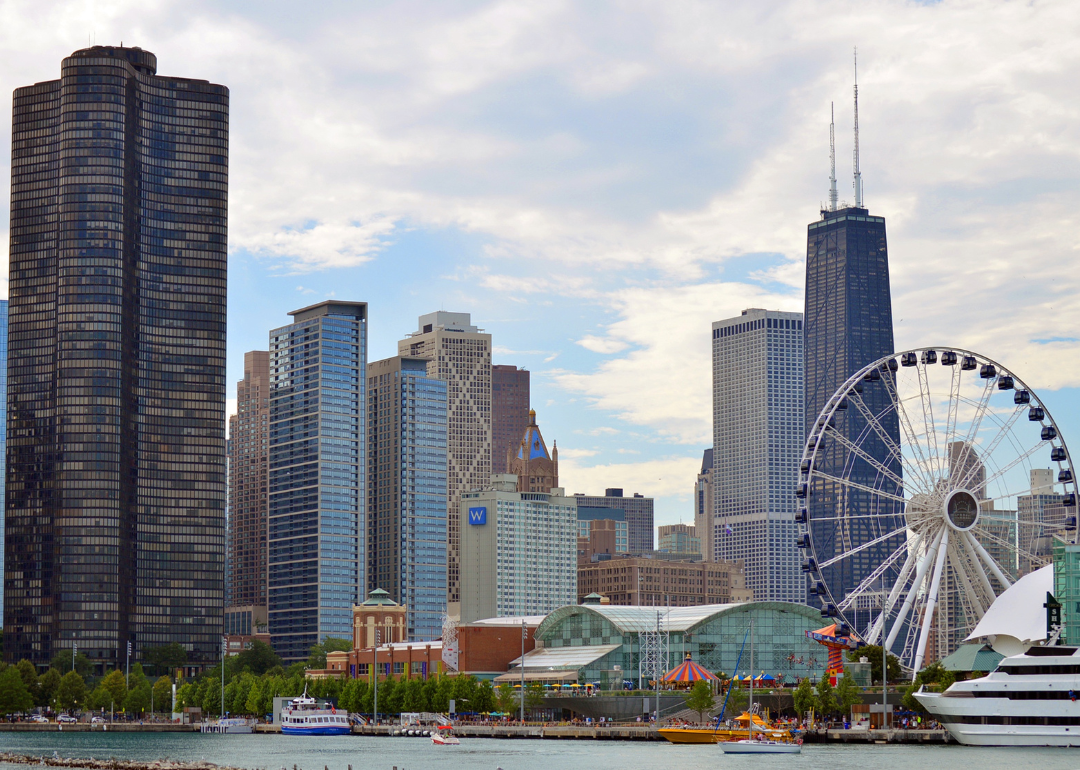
(804, 696)
(14, 696)
(253, 705)
(483, 698)
(185, 696)
(317, 654)
(736, 699)
(873, 653)
(936, 677)
(259, 658)
(414, 698)
(116, 687)
(138, 697)
(30, 678)
(71, 692)
(47, 684)
(847, 693)
(62, 663)
(534, 695)
(162, 694)
(163, 659)
(700, 698)
(506, 698)
(826, 698)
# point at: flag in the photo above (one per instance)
(728, 529)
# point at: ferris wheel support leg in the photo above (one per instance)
(980, 573)
(989, 561)
(920, 574)
(931, 602)
(878, 629)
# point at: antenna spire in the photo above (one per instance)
(832, 157)
(858, 172)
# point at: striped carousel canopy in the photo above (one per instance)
(687, 671)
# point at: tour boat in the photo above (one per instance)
(301, 717)
(1028, 700)
(444, 736)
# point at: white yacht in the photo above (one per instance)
(1028, 700)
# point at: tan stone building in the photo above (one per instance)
(537, 469)
(460, 354)
(655, 582)
(705, 507)
(379, 613)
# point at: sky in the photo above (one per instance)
(596, 183)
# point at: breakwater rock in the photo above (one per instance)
(107, 764)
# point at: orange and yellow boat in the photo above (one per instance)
(722, 735)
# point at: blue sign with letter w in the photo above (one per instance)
(478, 515)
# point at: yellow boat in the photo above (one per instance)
(709, 735)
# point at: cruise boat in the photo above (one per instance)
(1030, 699)
(301, 717)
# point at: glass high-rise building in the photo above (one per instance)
(757, 366)
(407, 532)
(115, 529)
(848, 324)
(317, 526)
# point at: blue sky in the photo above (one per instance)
(597, 182)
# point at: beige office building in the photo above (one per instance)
(519, 549)
(459, 354)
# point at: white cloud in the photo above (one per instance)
(661, 477)
(601, 344)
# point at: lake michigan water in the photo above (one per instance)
(274, 752)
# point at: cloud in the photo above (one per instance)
(660, 477)
(601, 344)
(575, 454)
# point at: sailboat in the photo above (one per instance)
(762, 745)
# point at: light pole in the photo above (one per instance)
(884, 658)
(74, 649)
(127, 667)
(524, 633)
(224, 646)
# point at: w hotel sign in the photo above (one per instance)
(478, 515)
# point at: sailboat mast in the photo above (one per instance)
(750, 707)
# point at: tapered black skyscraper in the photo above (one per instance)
(848, 324)
(116, 391)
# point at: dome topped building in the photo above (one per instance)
(537, 469)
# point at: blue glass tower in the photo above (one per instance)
(407, 463)
(848, 324)
(317, 475)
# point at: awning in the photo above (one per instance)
(972, 657)
(514, 677)
(564, 657)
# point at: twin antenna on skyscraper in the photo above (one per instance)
(857, 182)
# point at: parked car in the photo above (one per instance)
(98, 721)
(39, 718)
(66, 719)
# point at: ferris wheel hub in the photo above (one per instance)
(961, 510)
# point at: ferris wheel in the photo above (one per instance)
(931, 481)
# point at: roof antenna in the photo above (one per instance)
(832, 158)
(858, 172)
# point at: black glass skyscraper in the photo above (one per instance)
(115, 525)
(848, 324)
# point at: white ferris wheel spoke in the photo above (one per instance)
(1004, 430)
(988, 560)
(877, 630)
(1012, 464)
(928, 418)
(922, 463)
(914, 470)
(1011, 547)
(958, 557)
(931, 600)
(916, 585)
(874, 577)
(863, 487)
(857, 549)
(953, 417)
(980, 573)
(976, 423)
(864, 455)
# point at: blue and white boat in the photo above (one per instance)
(300, 716)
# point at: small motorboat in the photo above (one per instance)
(444, 736)
(761, 747)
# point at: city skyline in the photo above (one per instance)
(569, 236)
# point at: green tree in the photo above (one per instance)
(162, 701)
(483, 698)
(825, 703)
(847, 693)
(804, 696)
(30, 678)
(259, 658)
(71, 692)
(737, 699)
(700, 698)
(413, 699)
(317, 654)
(506, 698)
(441, 687)
(117, 688)
(937, 679)
(14, 696)
(138, 697)
(253, 704)
(47, 684)
(873, 653)
(185, 696)
(62, 663)
(534, 695)
(163, 659)
(391, 694)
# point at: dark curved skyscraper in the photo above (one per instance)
(116, 435)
